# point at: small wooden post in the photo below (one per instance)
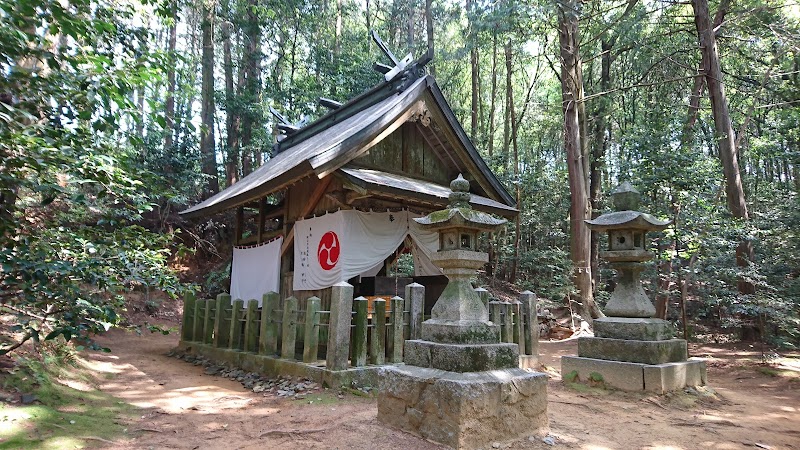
(377, 348)
(415, 299)
(270, 327)
(494, 313)
(518, 336)
(222, 321)
(528, 300)
(250, 328)
(189, 300)
(484, 296)
(360, 332)
(208, 321)
(339, 326)
(235, 341)
(395, 344)
(506, 330)
(311, 336)
(289, 328)
(239, 225)
(197, 320)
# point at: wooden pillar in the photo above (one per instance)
(189, 300)
(395, 344)
(237, 238)
(270, 326)
(528, 300)
(377, 348)
(311, 335)
(339, 326)
(289, 328)
(262, 206)
(222, 321)
(234, 341)
(415, 301)
(360, 332)
(250, 328)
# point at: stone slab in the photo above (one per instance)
(627, 350)
(460, 331)
(632, 328)
(460, 357)
(663, 378)
(463, 410)
(617, 374)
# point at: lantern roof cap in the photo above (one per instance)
(459, 212)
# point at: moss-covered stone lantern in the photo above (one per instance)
(627, 231)
(459, 316)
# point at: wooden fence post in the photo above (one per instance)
(197, 320)
(518, 336)
(415, 299)
(484, 296)
(189, 300)
(208, 321)
(289, 328)
(311, 336)
(395, 344)
(222, 321)
(250, 327)
(495, 313)
(506, 330)
(377, 348)
(341, 317)
(531, 329)
(360, 332)
(236, 325)
(270, 326)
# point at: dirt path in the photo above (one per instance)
(187, 409)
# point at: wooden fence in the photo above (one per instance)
(353, 332)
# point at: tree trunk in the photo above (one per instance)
(599, 148)
(492, 104)
(231, 111)
(252, 89)
(207, 149)
(723, 128)
(512, 277)
(576, 154)
(474, 73)
(169, 106)
(429, 30)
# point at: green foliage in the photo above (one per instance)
(70, 183)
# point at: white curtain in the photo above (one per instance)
(338, 246)
(256, 271)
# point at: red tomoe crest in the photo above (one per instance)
(328, 250)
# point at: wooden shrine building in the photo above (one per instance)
(395, 147)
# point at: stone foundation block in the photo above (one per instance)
(461, 358)
(620, 375)
(632, 328)
(645, 352)
(663, 378)
(460, 332)
(463, 410)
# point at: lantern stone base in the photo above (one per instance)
(460, 331)
(461, 358)
(628, 376)
(464, 410)
(628, 350)
(641, 329)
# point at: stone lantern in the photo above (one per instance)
(460, 386)
(627, 230)
(630, 349)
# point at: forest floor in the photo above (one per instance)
(175, 404)
(746, 405)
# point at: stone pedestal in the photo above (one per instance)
(634, 354)
(464, 410)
